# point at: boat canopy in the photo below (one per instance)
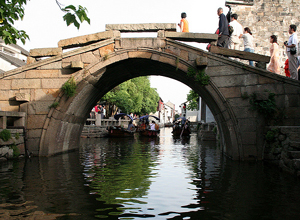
(147, 116)
(117, 116)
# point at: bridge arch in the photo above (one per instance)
(107, 63)
(66, 123)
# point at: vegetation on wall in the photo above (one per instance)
(5, 135)
(54, 105)
(134, 95)
(69, 87)
(199, 75)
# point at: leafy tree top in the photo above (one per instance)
(13, 10)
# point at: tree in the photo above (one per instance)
(193, 100)
(13, 10)
(134, 96)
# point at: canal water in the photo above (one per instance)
(146, 178)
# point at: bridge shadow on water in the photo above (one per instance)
(138, 178)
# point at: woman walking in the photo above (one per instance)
(274, 65)
(248, 42)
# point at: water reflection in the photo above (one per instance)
(138, 178)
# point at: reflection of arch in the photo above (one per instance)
(66, 122)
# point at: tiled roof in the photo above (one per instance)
(23, 51)
(14, 61)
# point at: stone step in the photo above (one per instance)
(295, 145)
(294, 154)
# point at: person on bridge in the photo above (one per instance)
(274, 65)
(184, 24)
(290, 45)
(248, 42)
(234, 39)
(223, 29)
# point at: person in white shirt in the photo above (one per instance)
(248, 42)
(152, 125)
(234, 40)
(292, 43)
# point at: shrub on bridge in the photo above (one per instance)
(69, 87)
(199, 76)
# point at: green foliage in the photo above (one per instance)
(16, 151)
(17, 136)
(270, 136)
(245, 95)
(134, 96)
(193, 100)
(198, 75)
(69, 87)
(177, 62)
(54, 105)
(5, 135)
(13, 10)
(215, 130)
(267, 107)
(176, 116)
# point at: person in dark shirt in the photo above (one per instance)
(223, 29)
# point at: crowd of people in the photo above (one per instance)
(230, 33)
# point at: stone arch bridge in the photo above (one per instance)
(101, 61)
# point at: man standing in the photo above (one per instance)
(290, 45)
(234, 40)
(223, 29)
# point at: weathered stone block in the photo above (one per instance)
(30, 60)
(45, 94)
(77, 65)
(54, 65)
(145, 27)
(87, 39)
(34, 133)
(231, 92)
(191, 37)
(89, 58)
(45, 52)
(201, 62)
(26, 83)
(142, 43)
(53, 83)
(139, 54)
(5, 84)
(42, 73)
(106, 50)
(35, 121)
(23, 97)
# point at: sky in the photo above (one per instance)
(44, 24)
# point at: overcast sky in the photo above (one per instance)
(44, 24)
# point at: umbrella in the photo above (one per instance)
(147, 116)
(117, 116)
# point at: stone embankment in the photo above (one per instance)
(93, 131)
(283, 148)
(14, 147)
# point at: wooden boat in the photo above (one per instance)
(149, 133)
(117, 131)
(179, 131)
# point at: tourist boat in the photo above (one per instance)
(118, 131)
(178, 131)
(149, 133)
(181, 130)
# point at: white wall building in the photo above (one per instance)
(11, 56)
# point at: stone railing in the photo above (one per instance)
(98, 121)
(15, 119)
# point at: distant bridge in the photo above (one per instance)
(104, 60)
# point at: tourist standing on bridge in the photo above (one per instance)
(291, 45)
(234, 39)
(248, 42)
(274, 66)
(184, 24)
(223, 29)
